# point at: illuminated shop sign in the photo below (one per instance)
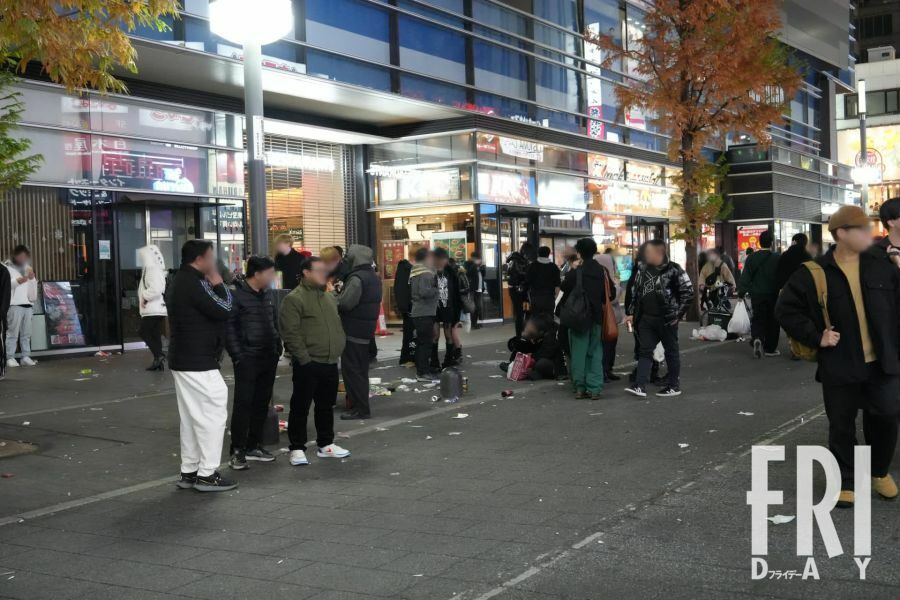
(494, 144)
(882, 161)
(561, 192)
(306, 162)
(271, 62)
(505, 187)
(419, 186)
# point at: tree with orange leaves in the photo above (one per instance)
(706, 68)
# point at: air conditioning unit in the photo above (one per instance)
(882, 53)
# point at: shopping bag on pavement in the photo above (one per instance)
(659, 353)
(519, 367)
(270, 429)
(740, 320)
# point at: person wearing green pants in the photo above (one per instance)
(586, 347)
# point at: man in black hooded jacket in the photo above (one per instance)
(403, 299)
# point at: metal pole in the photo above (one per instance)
(864, 152)
(256, 169)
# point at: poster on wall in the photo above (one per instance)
(454, 242)
(505, 187)
(392, 253)
(63, 325)
(748, 237)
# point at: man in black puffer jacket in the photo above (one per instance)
(254, 346)
(359, 304)
(199, 305)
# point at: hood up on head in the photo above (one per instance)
(151, 257)
(358, 256)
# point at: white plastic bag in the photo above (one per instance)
(711, 333)
(659, 353)
(466, 320)
(740, 320)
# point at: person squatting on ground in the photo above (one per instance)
(660, 296)
(759, 280)
(312, 334)
(253, 343)
(152, 303)
(23, 286)
(539, 340)
(199, 306)
(586, 346)
(359, 304)
(859, 354)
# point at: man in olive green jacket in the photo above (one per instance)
(312, 333)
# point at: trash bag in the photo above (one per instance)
(466, 320)
(740, 320)
(712, 333)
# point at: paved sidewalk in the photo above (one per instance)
(534, 497)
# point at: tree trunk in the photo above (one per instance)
(689, 202)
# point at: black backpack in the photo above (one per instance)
(575, 312)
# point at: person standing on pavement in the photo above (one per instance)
(660, 296)
(254, 346)
(448, 310)
(859, 354)
(758, 279)
(609, 346)
(5, 297)
(199, 305)
(792, 259)
(287, 261)
(404, 306)
(888, 247)
(152, 303)
(543, 280)
(586, 347)
(516, 278)
(475, 272)
(424, 300)
(313, 335)
(359, 304)
(23, 284)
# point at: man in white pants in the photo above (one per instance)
(21, 307)
(199, 305)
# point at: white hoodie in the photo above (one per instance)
(22, 293)
(152, 286)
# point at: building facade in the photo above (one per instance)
(474, 124)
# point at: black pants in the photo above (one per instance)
(355, 369)
(879, 393)
(517, 299)
(477, 314)
(151, 332)
(650, 332)
(314, 383)
(609, 356)
(253, 381)
(763, 325)
(424, 343)
(542, 302)
(408, 345)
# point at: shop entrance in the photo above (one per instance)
(644, 229)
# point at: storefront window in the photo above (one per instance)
(561, 191)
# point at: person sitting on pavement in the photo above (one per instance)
(539, 340)
(858, 348)
(543, 280)
(424, 298)
(199, 306)
(254, 346)
(359, 304)
(715, 282)
(661, 294)
(758, 279)
(313, 335)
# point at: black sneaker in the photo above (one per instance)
(214, 483)
(187, 481)
(669, 390)
(504, 366)
(427, 378)
(353, 415)
(238, 461)
(636, 390)
(259, 455)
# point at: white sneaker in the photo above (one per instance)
(12, 363)
(776, 353)
(332, 451)
(298, 457)
(28, 362)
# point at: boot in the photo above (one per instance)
(155, 365)
(885, 486)
(435, 362)
(449, 356)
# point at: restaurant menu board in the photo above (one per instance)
(454, 242)
(63, 326)
(392, 253)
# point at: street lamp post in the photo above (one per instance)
(253, 24)
(863, 150)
